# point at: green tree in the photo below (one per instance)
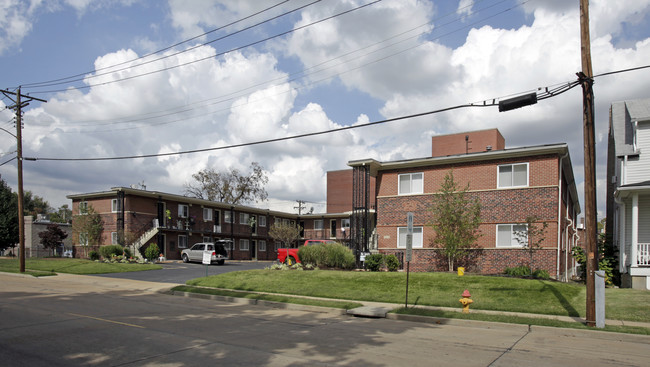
(52, 237)
(531, 238)
(286, 233)
(61, 215)
(230, 187)
(34, 205)
(88, 227)
(8, 217)
(456, 218)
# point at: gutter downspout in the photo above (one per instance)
(566, 253)
(559, 217)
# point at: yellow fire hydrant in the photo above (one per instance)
(466, 301)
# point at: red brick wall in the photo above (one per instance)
(339, 191)
(443, 145)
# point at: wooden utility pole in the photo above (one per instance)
(591, 225)
(19, 157)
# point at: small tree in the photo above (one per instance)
(532, 238)
(52, 237)
(88, 227)
(456, 220)
(284, 232)
(8, 217)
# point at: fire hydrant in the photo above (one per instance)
(466, 301)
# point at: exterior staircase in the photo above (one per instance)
(148, 235)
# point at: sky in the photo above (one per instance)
(127, 78)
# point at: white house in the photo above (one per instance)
(628, 201)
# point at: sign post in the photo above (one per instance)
(207, 260)
(409, 252)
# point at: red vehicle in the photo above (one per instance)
(289, 256)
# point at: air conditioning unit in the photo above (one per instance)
(217, 229)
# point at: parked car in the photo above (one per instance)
(289, 256)
(218, 251)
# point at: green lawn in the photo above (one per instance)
(437, 289)
(47, 266)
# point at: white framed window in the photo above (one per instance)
(83, 207)
(114, 207)
(182, 241)
(512, 175)
(114, 238)
(417, 237)
(278, 245)
(261, 220)
(345, 223)
(207, 239)
(207, 213)
(183, 211)
(512, 235)
(262, 245)
(411, 183)
(243, 245)
(318, 224)
(243, 218)
(83, 239)
(227, 217)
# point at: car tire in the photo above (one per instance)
(220, 262)
(290, 260)
(185, 258)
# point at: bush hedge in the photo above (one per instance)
(109, 251)
(330, 255)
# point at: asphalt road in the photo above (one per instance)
(70, 320)
(179, 273)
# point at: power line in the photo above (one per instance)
(217, 54)
(67, 79)
(235, 95)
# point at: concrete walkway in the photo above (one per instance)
(84, 283)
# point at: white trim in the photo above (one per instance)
(514, 243)
(411, 189)
(635, 229)
(418, 237)
(114, 206)
(512, 185)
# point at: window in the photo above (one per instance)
(243, 245)
(410, 183)
(243, 218)
(262, 245)
(183, 211)
(182, 241)
(114, 238)
(261, 221)
(512, 235)
(227, 217)
(83, 239)
(318, 224)
(206, 239)
(278, 245)
(114, 206)
(345, 223)
(417, 237)
(217, 217)
(207, 214)
(83, 207)
(332, 227)
(513, 175)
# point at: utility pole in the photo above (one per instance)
(300, 206)
(591, 225)
(18, 106)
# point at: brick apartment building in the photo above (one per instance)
(368, 204)
(511, 184)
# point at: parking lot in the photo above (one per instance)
(179, 272)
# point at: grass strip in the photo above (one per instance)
(345, 305)
(47, 266)
(518, 320)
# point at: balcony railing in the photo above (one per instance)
(643, 254)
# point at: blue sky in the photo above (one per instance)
(390, 58)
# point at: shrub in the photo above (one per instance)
(151, 252)
(93, 255)
(332, 255)
(316, 255)
(109, 251)
(392, 262)
(127, 253)
(374, 262)
(541, 274)
(519, 271)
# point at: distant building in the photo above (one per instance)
(33, 246)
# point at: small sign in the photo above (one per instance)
(409, 248)
(207, 257)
